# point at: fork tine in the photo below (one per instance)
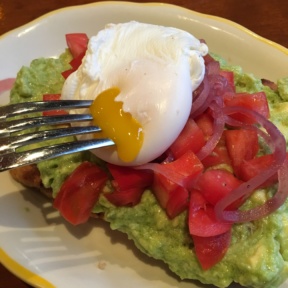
(40, 106)
(10, 157)
(8, 127)
(13, 160)
(9, 144)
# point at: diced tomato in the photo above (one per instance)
(218, 156)
(188, 167)
(129, 184)
(129, 197)
(75, 63)
(67, 73)
(185, 169)
(191, 138)
(211, 250)
(80, 192)
(256, 102)
(205, 123)
(229, 75)
(242, 144)
(202, 217)
(178, 202)
(126, 177)
(249, 169)
(215, 184)
(77, 43)
(53, 97)
(163, 188)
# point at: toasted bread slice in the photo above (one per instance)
(29, 176)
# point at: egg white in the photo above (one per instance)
(156, 69)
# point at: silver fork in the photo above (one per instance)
(10, 141)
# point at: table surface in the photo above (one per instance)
(266, 18)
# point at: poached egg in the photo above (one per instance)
(141, 78)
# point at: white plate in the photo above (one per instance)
(35, 242)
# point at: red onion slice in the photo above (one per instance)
(245, 189)
(218, 128)
(214, 85)
(201, 99)
(213, 68)
(268, 207)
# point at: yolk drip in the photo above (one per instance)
(120, 126)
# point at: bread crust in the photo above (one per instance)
(29, 176)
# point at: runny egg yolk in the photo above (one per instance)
(116, 124)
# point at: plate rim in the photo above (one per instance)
(21, 272)
(151, 4)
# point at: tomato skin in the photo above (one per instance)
(190, 138)
(80, 192)
(215, 184)
(77, 43)
(242, 144)
(202, 217)
(126, 178)
(53, 97)
(211, 250)
(256, 102)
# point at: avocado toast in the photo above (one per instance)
(256, 255)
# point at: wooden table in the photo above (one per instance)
(268, 18)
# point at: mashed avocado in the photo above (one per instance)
(258, 254)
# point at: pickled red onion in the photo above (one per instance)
(200, 100)
(246, 189)
(269, 206)
(218, 128)
(215, 86)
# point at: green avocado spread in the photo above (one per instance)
(258, 254)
